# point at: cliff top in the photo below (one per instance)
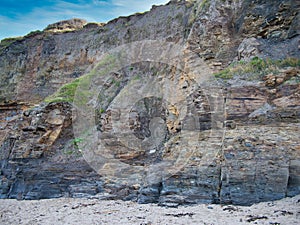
(69, 25)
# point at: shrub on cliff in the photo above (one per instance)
(256, 68)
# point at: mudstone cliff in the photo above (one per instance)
(191, 102)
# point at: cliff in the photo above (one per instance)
(191, 102)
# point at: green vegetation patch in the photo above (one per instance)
(72, 148)
(256, 68)
(205, 4)
(65, 94)
(8, 41)
(81, 87)
(33, 33)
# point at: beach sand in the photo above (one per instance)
(93, 211)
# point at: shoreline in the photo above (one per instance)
(93, 211)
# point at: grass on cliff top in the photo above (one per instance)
(256, 68)
(8, 41)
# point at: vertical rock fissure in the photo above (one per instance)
(221, 152)
(220, 184)
(288, 179)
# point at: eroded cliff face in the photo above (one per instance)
(150, 121)
(36, 66)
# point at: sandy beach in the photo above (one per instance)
(93, 211)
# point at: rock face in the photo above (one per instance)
(149, 121)
(66, 25)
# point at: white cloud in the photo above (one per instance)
(16, 27)
(100, 3)
(119, 3)
(131, 6)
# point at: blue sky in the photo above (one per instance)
(19, 17)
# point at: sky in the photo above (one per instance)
(19, 17)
